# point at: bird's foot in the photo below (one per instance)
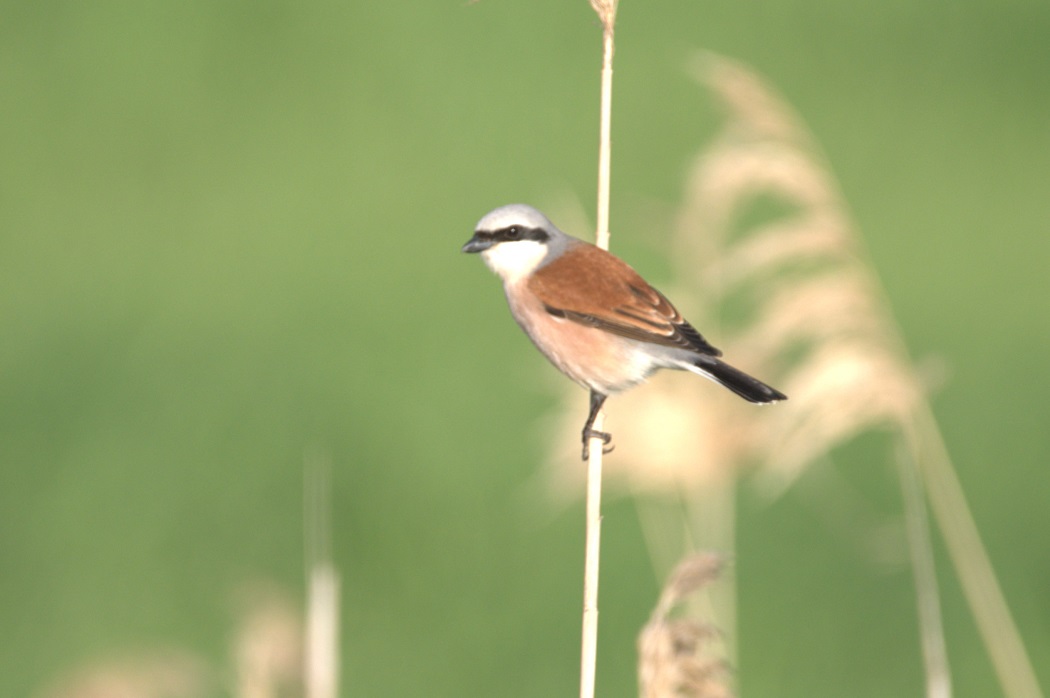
(605, 437)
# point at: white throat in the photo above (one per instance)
(513, 261)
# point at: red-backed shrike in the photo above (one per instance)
(593, 316)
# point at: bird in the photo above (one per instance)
(593, 316)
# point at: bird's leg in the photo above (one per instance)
(597, 400)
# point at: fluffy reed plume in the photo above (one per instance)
(266, 650)
(678, 656)
(160, 674)
(276, 654)
(763, 240)
(267, 657)
(268, 647)
(807, 308)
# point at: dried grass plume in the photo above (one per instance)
(678, 655)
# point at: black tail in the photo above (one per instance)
(751, 389)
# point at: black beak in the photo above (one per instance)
(477, 244)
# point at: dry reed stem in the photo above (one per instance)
(321, 646)
(1001, 637)
(591, 568)
(606, 10)
(321, 643)
(920, 548)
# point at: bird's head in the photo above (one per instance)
(516, 240)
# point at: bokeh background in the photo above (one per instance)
(230, 238)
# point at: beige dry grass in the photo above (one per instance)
(153, 674)
(275, 651)
(679, 655)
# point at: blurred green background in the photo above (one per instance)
(230, 235)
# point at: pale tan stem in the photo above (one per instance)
(975, 571)
(606, 10)
(605, 141)
(321, 644)
(589, 650)
(920, 547)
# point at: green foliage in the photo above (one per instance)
(229, 233)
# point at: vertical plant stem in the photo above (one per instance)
(321, 645)
(976, 574)
(589, 649)
(605, 128)
(606, 10)
(934, 653)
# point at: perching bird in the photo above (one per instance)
(593, 316)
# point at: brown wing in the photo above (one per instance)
(594, 288)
